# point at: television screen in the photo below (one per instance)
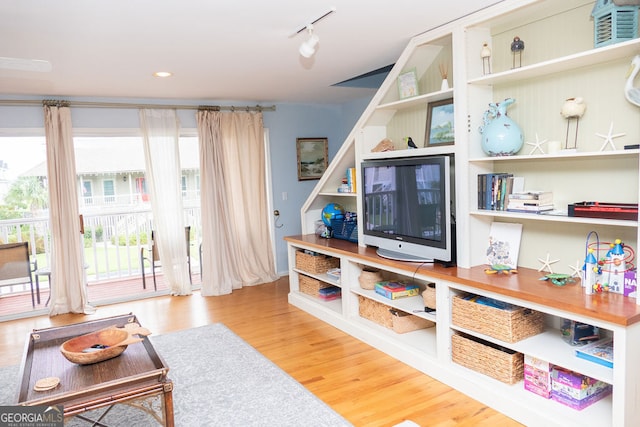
(406, 206)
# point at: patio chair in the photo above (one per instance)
(16, 267)
(153, 258)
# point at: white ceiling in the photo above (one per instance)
(217, 49)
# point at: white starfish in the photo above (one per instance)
(546, 263)
(536, 145)
(608, 138)
(576, 271)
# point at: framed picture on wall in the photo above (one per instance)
(408, 84)
(313, 157)
(440, 123)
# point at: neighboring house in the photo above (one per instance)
(111, 173)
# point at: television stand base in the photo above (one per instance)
(399, 256)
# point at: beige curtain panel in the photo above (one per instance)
(68, 286)
(236, 246)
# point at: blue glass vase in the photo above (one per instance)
(501, 136)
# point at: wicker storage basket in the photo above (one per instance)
(369, 277)
(311, 286)
(429, 295)
(375, 311)
(317, 264)
(489, 359)
(506, 325)
(404, 322)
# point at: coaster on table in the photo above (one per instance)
(45, 384)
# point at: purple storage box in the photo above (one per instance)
(580, 404)
(630, 283)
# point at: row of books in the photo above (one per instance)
(493, 189)
(502, 191)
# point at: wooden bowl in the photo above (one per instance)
(82, 350)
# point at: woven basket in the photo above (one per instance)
(369, 277)
(404, 322)
(505, 325)
(317, 264)
(489, 359)
(375, 311)
(310, 286)
(429, 296)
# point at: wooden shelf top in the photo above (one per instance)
(525, 285)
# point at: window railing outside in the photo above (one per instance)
(112, 243)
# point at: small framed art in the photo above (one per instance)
(408, 84)
(440, 130)
(313, 157)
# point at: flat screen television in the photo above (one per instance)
(408, 208)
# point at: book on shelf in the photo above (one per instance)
(529, 208)
(542, 197)
(351, 179)
(600, 352)
(516, 202)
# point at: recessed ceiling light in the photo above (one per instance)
(162, 74)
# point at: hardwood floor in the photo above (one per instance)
(364, 385)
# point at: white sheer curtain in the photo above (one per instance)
(161, 131)
(68, 290)
(236, 243)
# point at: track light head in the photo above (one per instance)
(308, 47)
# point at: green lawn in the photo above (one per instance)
(130, 260)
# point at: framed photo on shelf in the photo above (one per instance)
(313, 157)
(504, 244)
(408, 84)
(440, 123)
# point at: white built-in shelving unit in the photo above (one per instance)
(559, 62)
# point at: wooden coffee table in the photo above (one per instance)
(138, 377)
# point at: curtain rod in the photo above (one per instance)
(89, 104)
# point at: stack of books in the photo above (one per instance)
(530, 202)
(395, 290)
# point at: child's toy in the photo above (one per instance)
(500, 269)
(578, 333)
(608, 273)
(558, 279)
(614, 267)
(590, 272)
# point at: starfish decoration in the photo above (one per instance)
(608, 138)
(576, 271)
(536, 145)
(546, 263)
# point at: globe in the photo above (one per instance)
(332, 211)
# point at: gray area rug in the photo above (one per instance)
(219, 380)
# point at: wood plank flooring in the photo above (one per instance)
(364, 385)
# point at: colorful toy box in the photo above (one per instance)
(537, 376)
(630, 283)
(330, 293)
(575, 390)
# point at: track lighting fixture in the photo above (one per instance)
(308, 47)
